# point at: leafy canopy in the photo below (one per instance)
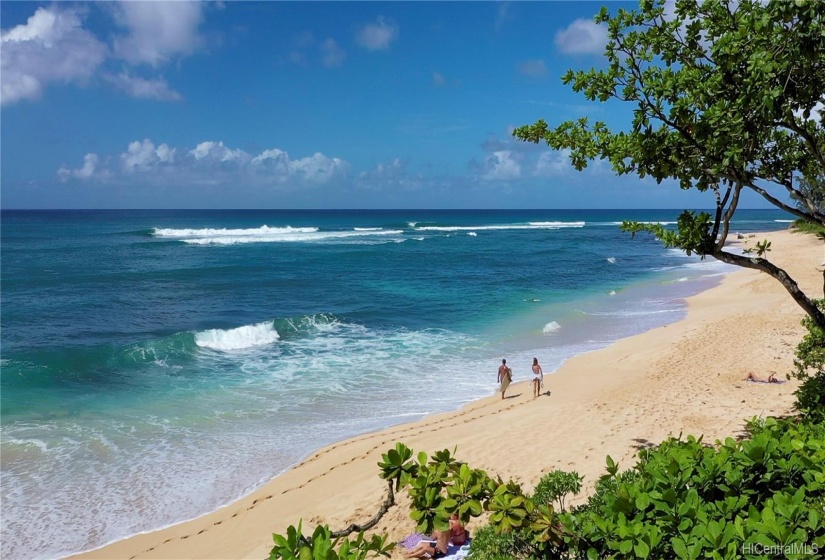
(726, 96)
(720, 94)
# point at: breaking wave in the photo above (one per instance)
(240, 338)
(266, 234)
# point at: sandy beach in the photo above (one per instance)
(684, 378)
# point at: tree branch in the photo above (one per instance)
(790, 209)
(757, 263)
(385, 507)
(736, 188)
(792, 126)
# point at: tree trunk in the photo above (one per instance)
(789, 283)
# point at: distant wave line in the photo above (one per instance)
(209, 232)
(265, 234)
(529, 225)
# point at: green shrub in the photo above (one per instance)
(688, 500)
(555, 486)
(810, 398)
(805, 226)
(487, 544)
(322, 546)
(810, 353)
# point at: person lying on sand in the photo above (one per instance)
(437, 546)
(771, 378)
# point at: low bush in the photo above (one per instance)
(689, 500)
(805, 226)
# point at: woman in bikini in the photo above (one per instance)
(538, 378)
(437, 547)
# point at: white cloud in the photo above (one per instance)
(535, 68)
(216, 152)
(331, 53)
(500, 166)
(143, 156)
(165, 154)
(272, 163)
(377, 36)
(268, 157)
(90, 162)
(317, 168)
(553, 163)
(157, 31)
(582, 37)
(141, 88)
(209, 162)
(51, 46)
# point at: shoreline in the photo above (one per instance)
(745, 323)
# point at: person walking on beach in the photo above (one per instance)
(505, 376)
(538, 378)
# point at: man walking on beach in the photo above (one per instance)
(505, 375)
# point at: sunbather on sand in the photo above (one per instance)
(437, 546)
(771, 378)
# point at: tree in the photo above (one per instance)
(813, 191)
(726, 98)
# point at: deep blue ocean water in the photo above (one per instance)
(156, 365)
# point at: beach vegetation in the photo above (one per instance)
(490, 545)
(802, 226)
(323, 546)
(682, 499)
(691, 500)
(812, 194)
(726, 98)
(555, 486)
(809, 367)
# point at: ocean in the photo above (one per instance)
(156, 365)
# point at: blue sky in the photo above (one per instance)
(301, 105)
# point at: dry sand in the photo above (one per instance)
(685, 378)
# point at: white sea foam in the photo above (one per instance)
(529, 225)
(367, 229)
(291, 237)
(472, 234)
(784, 221)
(240, 338)
(266, 234)
(634, 313)
(252, 232)
(612, 293)
(552, 326)
(611, 260)
(556, 224)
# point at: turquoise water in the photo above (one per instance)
(159, 364)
